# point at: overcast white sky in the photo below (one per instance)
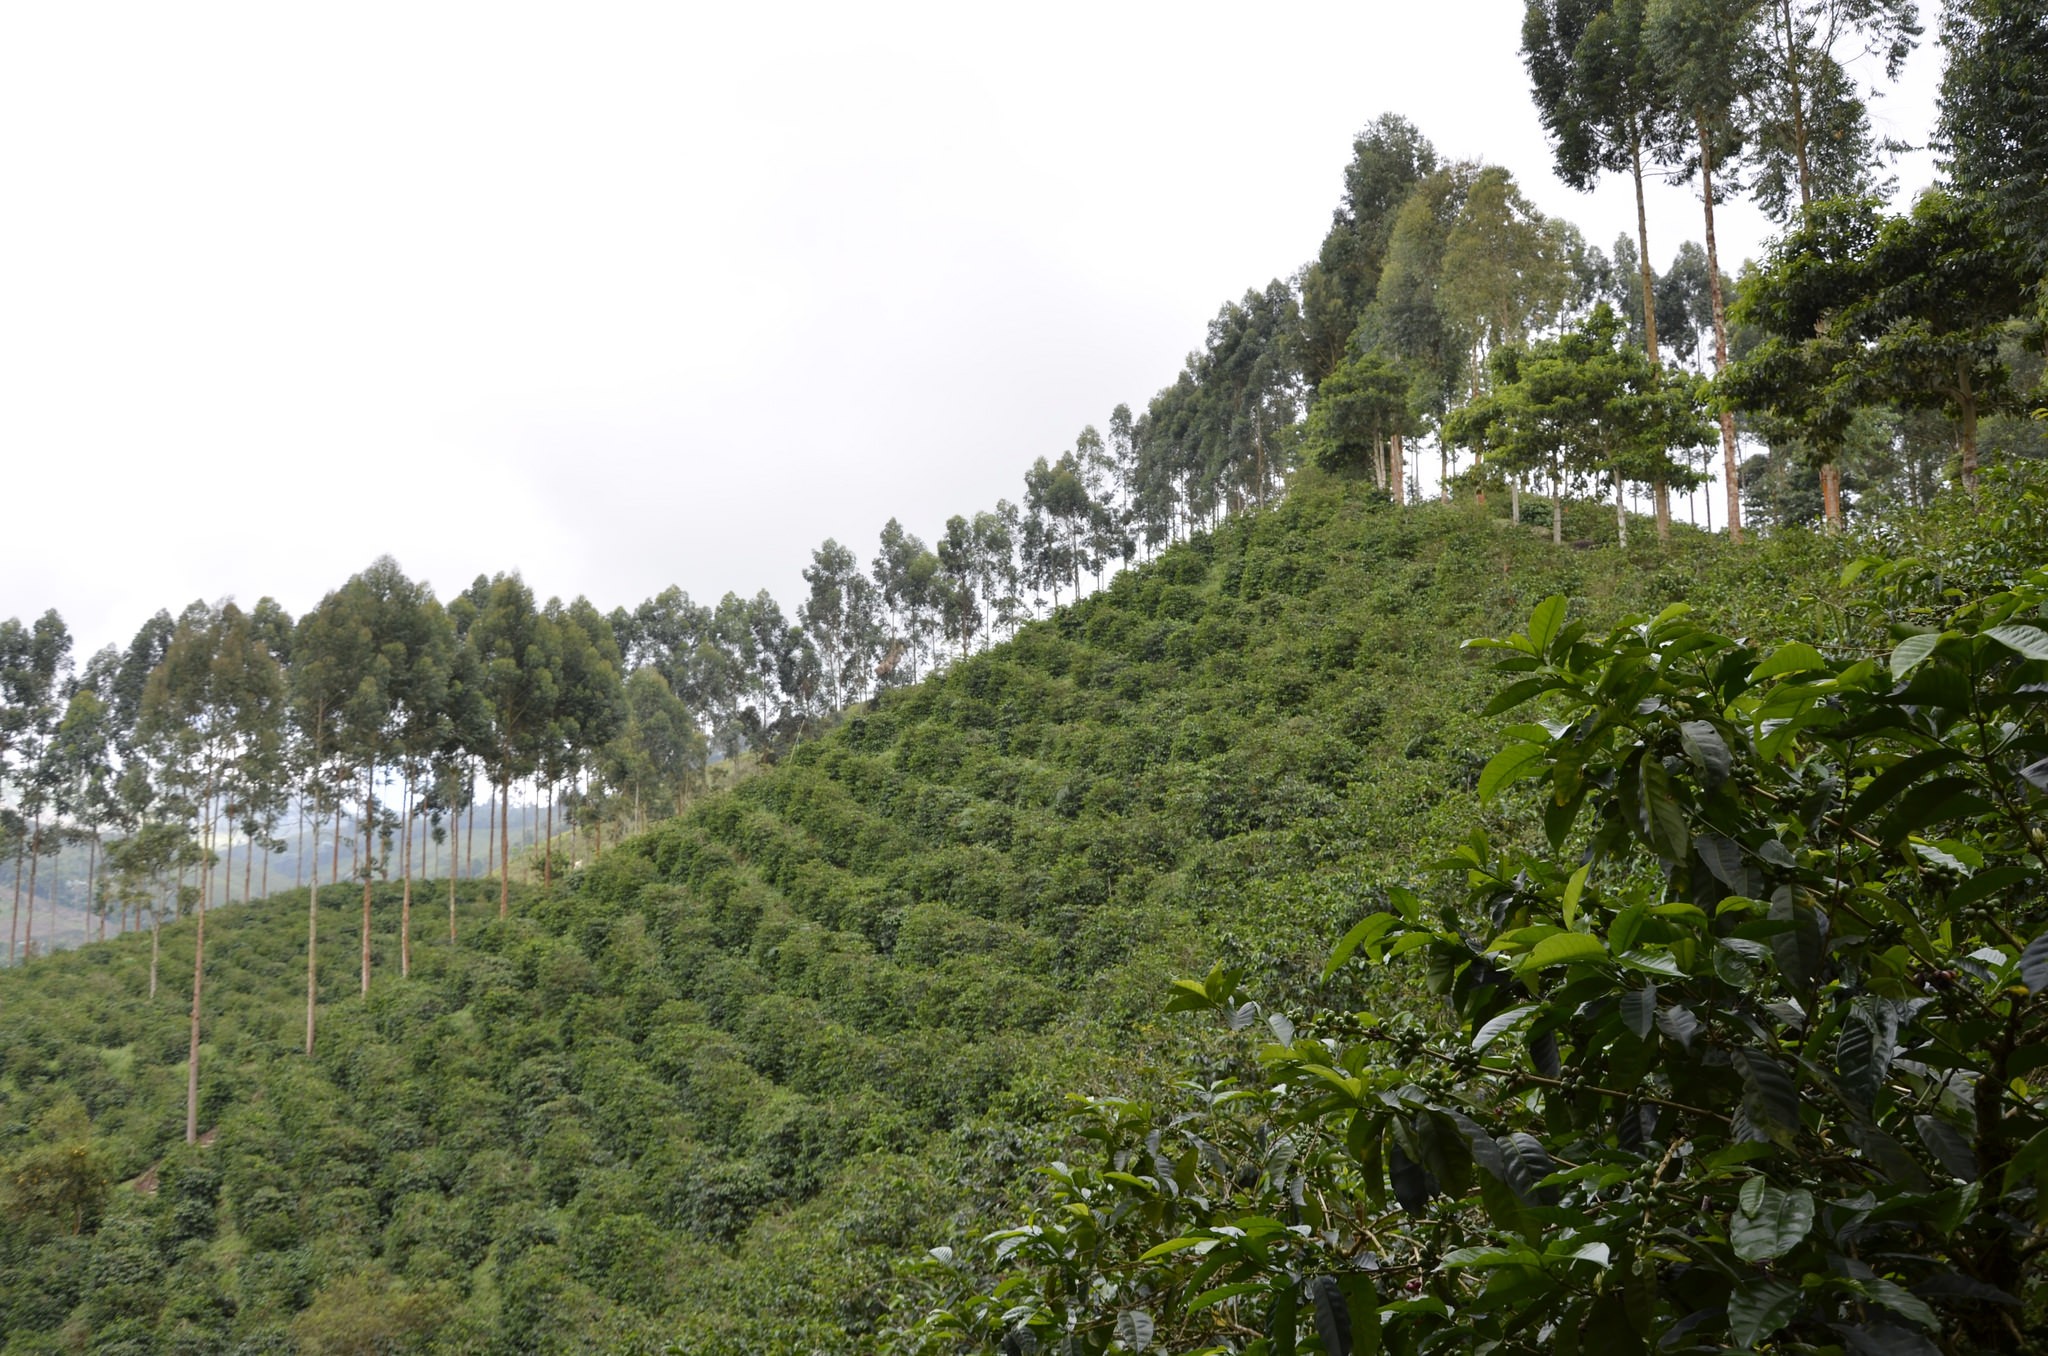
(629, 295)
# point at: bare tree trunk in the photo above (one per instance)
(1620, 515)
(35, 858)
(1400, 471)
(405, 897)
(369, 860)
(1831, 495)
(1798, 103)
(14, 925)
(192, 1056)
(469, 839)
(1720, 332)
(312, 928)
(156, 933)
(491, 836)
(453, 825)
(92, 862)
(1556, 505)
(505, 847)
(547, 852)
(1635, 148)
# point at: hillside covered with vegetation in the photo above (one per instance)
(721, 1083)
(1265, 891)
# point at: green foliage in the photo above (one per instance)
(1734, 1044)
(840, 1001)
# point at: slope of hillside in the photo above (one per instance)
(712, 1090)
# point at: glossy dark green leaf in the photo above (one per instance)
(1662, 818)
(1679, 1024)
(1639, 1010)
(1950, 1147)
(1410, 1183)
(1886, 785)
(1768, 1093)
(1281, 1326)
(1723, 858)
(2030, 641)
(1759, 1307)
(1135, 1329)
(1878, 1338)
(1333, 1315)
(1708, 751)
(2034, 965)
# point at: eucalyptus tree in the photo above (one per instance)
(1250, 385)
(995, 566)
(34, 661)
(516, 651)
(588, 706)
(1596, 90)
(842, 619)
(1813, 133)
(1408, 320)
(84, 754)
(1054, 492)
(1507, 269)
(1360, 412)
(1389, 157)
(903, 572)
(658, 752)
(211, 716)
(333, 647)
(1122, 445)
(960, 604)
(1708, 58)
(418, 644)
(1993, 125)
(392, 713)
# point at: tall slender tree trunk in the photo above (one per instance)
(92, 862)
(14, 924)
(312, 925)
(369, 860)
(1556, 504)
(334, 867)
(405, 895)
(469, 838)
(1620, 515)
(454, 824)
(192, 1055)
(491, 838)
(1649, 277)
(1720, 332)
(156, 935)
(547, 854)
(1798, 103)
(505, 846)
(35, 859)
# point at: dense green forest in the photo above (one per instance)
(1587, 923)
